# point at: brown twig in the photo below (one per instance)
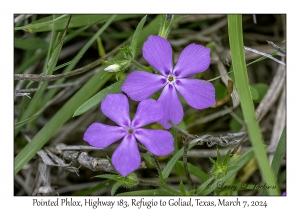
(273, 92)
(38, 77)
(276, 47)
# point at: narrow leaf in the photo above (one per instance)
(280, 150)
(136, 36)
(30, 43)
(96, 99)
(109, 176)
(227, 158)
(98, 187)
(78, 20)
(219, 158)
(167, 170)
(181, 188)
(19, 124)
(115, 187)
(67, 63)
(196, 171)
(235, 31)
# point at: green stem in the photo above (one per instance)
(148, 183)
(140, 66)
(174, 133)
(243, 89)
(157, 167)
(185, 163)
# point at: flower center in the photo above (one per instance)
(130, 130)
(170, 78)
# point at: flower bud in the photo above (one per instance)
(112, 68)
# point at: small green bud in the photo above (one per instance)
(219, 171)
(130, 180)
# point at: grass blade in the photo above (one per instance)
(96, 99)
(243, 88)
(78, 20)
(136, 35)
(167, 170)
(280, 150)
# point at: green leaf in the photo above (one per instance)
(78, 20)
(212, 161)
(181, 188)
(227, 158)
(66, 64)
(96, 99)
(191, 192)
(254, 93)
(110, 176)
(136, 36)
(155, 192)
(98, 187)
(280, 150)
(219, 158)
(19, 124)
(235, 31)
(211, 184)
(32, 43)
(234, 125)
(115, 187)
(167, 170)
(196, 171)
(221, 91)
(261, 89)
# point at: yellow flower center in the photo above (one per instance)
(171, 78)
(130, 130)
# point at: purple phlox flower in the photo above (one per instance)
(284, 194)
(126, 157)
(194, 59)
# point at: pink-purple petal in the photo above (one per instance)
(126, 157)
(197, 93)
(140, 85)
(157, 51)
(171, 105)
(192, 60)
(148, 111)
(158, 142)
(116, 108)
(100, 135)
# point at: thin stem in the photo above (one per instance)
(31, 90)
(148, 183)
(157, 166)
(140, 66)
(182, 131)
(185, 163)
(175, 136)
